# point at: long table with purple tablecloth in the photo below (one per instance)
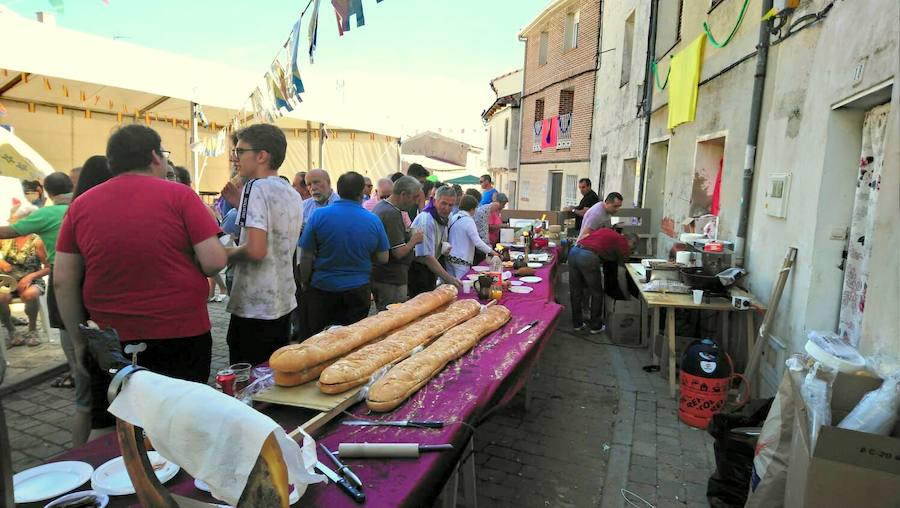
(462, 395)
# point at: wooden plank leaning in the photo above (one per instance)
(753, 362)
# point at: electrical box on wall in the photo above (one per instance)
(777, 192)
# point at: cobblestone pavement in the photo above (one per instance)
(25, 361)
(596, 424)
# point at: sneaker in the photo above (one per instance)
(595, 331)
(579, 327)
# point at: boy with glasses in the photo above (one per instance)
(269, 214)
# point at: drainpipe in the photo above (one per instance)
(515, 199)
(759, 84)
(648, 97)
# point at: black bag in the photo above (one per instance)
(729, 484)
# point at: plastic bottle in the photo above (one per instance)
(496, 278)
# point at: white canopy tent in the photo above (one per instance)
(65, 91)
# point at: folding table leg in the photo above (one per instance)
(670, 335)
(654, 331)
(449, 494)
(464, 470)
(469, 480)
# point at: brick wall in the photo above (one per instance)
(566, 69)
(582, 115)
(562, 63)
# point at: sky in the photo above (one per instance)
(421, 64)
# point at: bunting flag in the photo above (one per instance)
(47, 84)
(343, 9)
(260, 108)
(280, 88)
(65, 91)
(294, 65)
(313, 29)
(2, 110)
(277, 98)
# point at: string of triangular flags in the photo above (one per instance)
(283, 85)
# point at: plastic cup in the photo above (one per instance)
(241, 375)
(698, 296)
(467, 286)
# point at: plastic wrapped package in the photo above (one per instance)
(816, 394)
(877, 411)
(831, 350)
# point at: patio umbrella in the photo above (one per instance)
(464, 180)
(18, 160)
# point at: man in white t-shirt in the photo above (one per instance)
(270, 214)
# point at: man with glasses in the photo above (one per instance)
(135, 253)
(270, 214)
(367, 188)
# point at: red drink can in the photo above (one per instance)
(225, 380)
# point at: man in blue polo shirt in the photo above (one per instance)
(339, 244)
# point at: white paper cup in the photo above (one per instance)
(698, 296)
(467, 286)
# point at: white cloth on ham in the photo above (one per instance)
(214, 437)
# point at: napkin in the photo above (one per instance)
(214, 437)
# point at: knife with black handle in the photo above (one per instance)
(345, 485)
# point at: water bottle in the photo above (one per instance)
(496, 278)
(496, 269)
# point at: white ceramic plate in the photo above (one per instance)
(530, 279)
(516, 283)
(535, 265)
(480, 268)
(507, 275)
(292, 498)
(50, 480)
(539, 257)
(521, 289)
(102, 499)
(112, 477)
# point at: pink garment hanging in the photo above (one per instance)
(550, 132)
(717, 190)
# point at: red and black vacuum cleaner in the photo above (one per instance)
(706, 374)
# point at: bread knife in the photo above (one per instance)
(527, 327)
(396, 423)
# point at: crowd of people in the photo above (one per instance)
(129, 246)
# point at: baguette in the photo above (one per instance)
(357, 368)
(411, 374)
(331, 344)
(311, 374)
(298, 378)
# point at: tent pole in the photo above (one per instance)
(321, 146)
(195, 157)
(308, 146)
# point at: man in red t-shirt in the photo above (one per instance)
(135, 253)
(586, 260)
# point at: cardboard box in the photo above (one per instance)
(623, 320)
(846, 468)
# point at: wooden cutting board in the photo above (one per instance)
(307, 395)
